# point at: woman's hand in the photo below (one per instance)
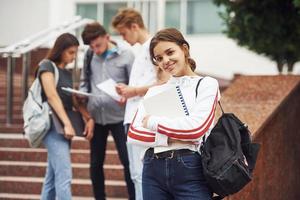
(119, 88)
(89, 129)
(69, 131)
(80, 98)
(126, 91)
(122, 101)
(145, 121)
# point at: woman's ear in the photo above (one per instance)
(107, 36)
(186, 46)
(185, 49)
(134, 26)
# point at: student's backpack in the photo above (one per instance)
(228, 155)
(36, 112)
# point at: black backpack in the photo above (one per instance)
(228, 155)
(87, 68)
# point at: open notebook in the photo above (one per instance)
(168, 103)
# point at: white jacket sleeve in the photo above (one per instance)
(142, 136)
(198, 122)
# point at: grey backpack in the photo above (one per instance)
(36, 112)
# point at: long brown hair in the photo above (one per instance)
(171, 35)
(63, 42)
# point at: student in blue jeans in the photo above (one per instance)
(109, 60)
(172, 167)
(57, 183)
(130, 25)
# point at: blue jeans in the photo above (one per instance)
(177, 178)
(98, 148)
(59, 171)
(135, 166)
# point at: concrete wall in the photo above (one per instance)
(218, 55)
(22, 18)
(60, 11)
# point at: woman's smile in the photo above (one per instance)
(169, 66)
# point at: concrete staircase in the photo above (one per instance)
(22, 168)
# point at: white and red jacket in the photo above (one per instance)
(192, 127)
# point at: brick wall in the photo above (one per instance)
(36, 56)
(271, 107)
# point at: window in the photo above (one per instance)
(190, 16)
(87, 10)
(101, 12)
(172, 14)
(110, 10)
(202, 17)
(149, 14)
(104, 11)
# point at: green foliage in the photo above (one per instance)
(297, 3)
(268, 27)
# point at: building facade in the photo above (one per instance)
(214, 53)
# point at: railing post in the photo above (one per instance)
(11, 62)
(76, 70)
(25, 74)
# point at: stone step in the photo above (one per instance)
(15, 157)
(16, 118)
(37, 169)
(40, 155)
(17, 100)
(17, 107)
(17, 140)
(80, 187)
(15, 112)
(10, 196)
(12, 128)
(17, 90)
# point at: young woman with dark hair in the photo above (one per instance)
(172, 165)
(58, 176)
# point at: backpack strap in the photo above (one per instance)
(56, 73)
(219, 102)
(198, 86)
(196, 90)
(87, 68)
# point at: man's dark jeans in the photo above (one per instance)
(98, 147)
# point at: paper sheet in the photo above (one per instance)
(109, 87)
(71, 90)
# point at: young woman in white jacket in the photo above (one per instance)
(172, 165)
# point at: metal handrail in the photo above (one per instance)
(42, 37)
(24, 48)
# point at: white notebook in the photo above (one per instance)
(168, 103)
